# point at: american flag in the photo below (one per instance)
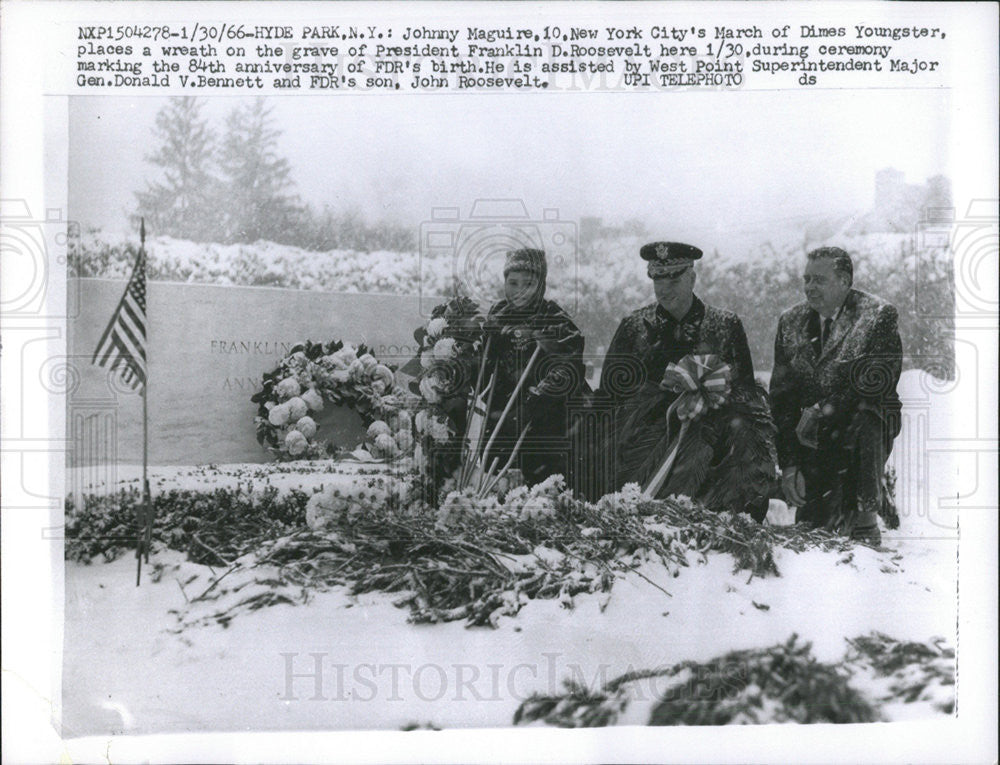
(122, 347)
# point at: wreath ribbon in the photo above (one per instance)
(702, 383)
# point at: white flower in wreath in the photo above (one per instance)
(287, 388)
(427, 358)
(296, 443)
(436, 326)
(383, 373)
(356, 370)
(306, 426)
(346, 356)
(404, 440)
(341, 376)
(378, 428)
(444, 348)
(304, 378)
(278, 416)
(382, 378)
(297, 408)
(400, 420)
(368, 360)
(420, 422)
(429, 389)
(438, 429)
(313, 400)
(385, 444)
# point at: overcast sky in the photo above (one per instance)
(682, 162)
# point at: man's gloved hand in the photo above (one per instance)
(793, 485)
(807, 430)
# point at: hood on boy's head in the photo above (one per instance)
(529, 260)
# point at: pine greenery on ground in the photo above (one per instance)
(210, 527)
(780, 683)
(480, 559)
(470, 559)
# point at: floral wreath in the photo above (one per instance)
(445, 371)
(422, 421)
(315, 374)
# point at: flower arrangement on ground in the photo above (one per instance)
(445, 371)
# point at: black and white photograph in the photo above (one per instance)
(429, 409)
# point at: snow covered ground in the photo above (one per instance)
(343, 662)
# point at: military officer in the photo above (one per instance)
(728, 460)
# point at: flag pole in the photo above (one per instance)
(146, 527)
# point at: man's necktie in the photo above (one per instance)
(825, 335)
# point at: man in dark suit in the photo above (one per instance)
(727, 459)
(837, 360)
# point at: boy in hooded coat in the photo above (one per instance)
(516, 326)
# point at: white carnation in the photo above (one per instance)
(346, 356)
(313, 399)
(444, 348)
(287, 388)
(324, 507)
(304, 378)
(368, 361)
(377, 429)
(400, 420)
(428, 389)
(385, 444)
(404, 440)
(278, 416)
(436, 326)
(631, 495)
(419, 463)
(296, 408)
(356, 369)
(306, 426)
(383, 373)
(427, 358)
(295, 442)
(317, 513)
(438, 429)
(420, 421)
(551, 486)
